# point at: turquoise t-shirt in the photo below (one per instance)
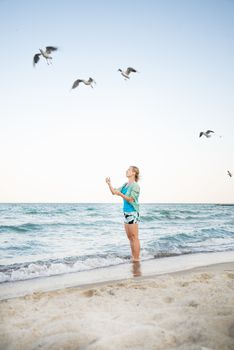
(127, 207)
(133, 191)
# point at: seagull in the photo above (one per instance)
(229, 173)
(127, 72)
(86, 82)
(206, 133)
(44, 53)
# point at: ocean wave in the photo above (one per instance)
(174, 213)
(30, 270)
(37, 269)
(172, 216)
(202, 236)
(216, 232)
(32, 227)
(52, 267)
(20, 228)
(159, 217)
(167, 254)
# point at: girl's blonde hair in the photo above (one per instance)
(136, 171)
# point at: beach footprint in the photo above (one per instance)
(91, 292)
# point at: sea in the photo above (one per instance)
(38, 240)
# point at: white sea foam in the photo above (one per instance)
(34, 270)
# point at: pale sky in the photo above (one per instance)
(58, 145)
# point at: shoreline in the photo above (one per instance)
(190, 309)
(121, 272)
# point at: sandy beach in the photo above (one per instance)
(191, 309)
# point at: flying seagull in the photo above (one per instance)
(229, 173)
(127, 72)
(86, 82)
(206, 133)
(44, 53)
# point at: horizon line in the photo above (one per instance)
(219, 203)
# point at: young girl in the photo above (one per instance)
(130, 192)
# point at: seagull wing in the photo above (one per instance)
(50, 49)
(130, 70)
(76, 83)
(209, 131)
(201, 133)
(91, 80)
(36, 58)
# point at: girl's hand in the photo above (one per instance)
(108, 181)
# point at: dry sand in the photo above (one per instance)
(187, 310)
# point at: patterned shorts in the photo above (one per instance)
(131, 217)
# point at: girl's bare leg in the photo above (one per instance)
(132, 233)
